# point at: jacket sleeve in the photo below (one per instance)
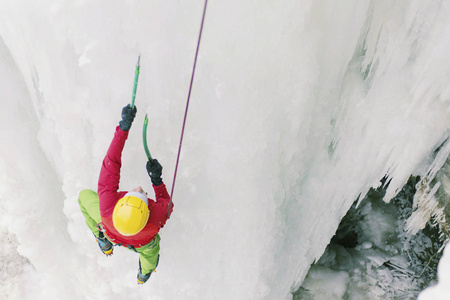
(163, 199)
(108, 183)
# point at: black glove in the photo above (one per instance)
(154, 170)
(128, 115)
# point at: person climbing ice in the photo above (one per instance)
(127, 218)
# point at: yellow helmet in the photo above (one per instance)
(131, 213)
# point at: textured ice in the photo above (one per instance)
(297, 109)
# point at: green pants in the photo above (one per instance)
(89, 204)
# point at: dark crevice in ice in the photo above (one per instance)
(372, 256)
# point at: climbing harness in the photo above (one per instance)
(186, 111)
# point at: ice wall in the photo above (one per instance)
(297, 109)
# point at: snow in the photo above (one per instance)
(327, 283)
(298, 108)
(442, 289)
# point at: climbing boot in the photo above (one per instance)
(104, 244)
(141, 279)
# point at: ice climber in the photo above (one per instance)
(128, 219)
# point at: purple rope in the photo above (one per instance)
(187, 106)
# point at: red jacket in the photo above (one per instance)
(108, 186)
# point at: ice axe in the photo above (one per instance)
(136, 79)
(133, 97)
(144, 138)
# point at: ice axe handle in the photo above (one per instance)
(144, 139)
(136, 79)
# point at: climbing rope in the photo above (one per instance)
(187, 106)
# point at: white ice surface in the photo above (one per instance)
(297, 108)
